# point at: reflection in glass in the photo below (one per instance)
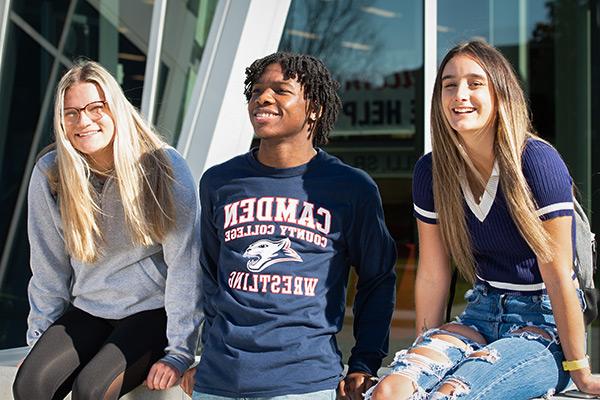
(531, 35)
(374, 48)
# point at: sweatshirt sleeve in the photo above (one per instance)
(183, 287)
(373, 254)
(49, 287)
(209, 252)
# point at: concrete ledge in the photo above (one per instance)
(10, 357)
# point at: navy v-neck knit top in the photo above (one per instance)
(503, 258)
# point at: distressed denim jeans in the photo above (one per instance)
(514, 365)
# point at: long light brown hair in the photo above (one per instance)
(142, 171)
(512, 129)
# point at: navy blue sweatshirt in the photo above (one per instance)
(277, 247)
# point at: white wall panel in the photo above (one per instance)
(430, 65)
(216, 126)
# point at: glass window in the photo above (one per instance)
(375, 50)
(114, 33)
(111, 31)
(24, 81)
(545, 41)
(46, 17)
(188, 25)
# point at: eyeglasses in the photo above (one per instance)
(94, 110)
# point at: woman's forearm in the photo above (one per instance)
(431, 296)
(569, 320)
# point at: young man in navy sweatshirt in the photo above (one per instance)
(281, 227)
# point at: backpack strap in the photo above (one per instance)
(585, 261)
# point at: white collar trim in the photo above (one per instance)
(481, 209)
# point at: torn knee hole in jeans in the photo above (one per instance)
(418, 394)
(434, 349)
(532, 332)
(452, 388)
(437, 343)
(413, 365)
(446, 334)
(489, 355)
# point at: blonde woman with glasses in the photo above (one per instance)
(497, 201)
(113, 219)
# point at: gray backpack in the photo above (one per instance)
(585, 262)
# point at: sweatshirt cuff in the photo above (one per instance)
(32, 337)
(369, 365)
(179, 362)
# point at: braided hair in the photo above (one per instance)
(320, 89)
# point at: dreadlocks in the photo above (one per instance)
(320, 89)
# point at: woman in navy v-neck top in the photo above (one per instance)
(497, 202)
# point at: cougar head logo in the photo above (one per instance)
(265, 253)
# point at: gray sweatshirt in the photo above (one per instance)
(127, 278)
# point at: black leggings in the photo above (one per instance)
(85, 354)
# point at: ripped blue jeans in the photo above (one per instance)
(513, 365)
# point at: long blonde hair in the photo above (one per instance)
(142, 171)
(512, 129)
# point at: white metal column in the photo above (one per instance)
(523, 56)
(157, 28)
(4, 11)
(216, 125)
(429, 65)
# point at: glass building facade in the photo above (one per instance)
(182, 62)
(42, 38)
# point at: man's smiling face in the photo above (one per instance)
(277, 107)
